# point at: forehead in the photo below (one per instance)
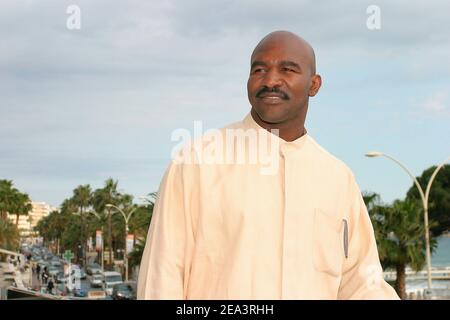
(276, 50)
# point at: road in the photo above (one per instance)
(60, 288)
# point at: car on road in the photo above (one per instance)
(123, 291)
(110, 279)
(53, 271)
(48, 257)
(56, 264)
(96, 280)
(80, 293)
(93, 268)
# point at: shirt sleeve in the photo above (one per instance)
(164, 267)
(362, 276)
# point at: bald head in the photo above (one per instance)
(283, 39)
(282, 78)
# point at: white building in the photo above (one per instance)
(28, 222)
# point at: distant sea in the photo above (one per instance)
(439, 258)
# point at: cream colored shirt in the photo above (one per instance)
(227, 231)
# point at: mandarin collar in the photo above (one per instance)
(285, 146)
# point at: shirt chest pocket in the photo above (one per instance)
(329, 243)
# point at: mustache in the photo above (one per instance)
(276, 90)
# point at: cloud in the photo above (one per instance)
(437, 103)
(138, 69)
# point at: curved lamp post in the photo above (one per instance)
(127, 219)
(423, 196)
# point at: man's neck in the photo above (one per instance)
(287, 131)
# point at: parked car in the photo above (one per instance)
(53, 271)
(93, 269)
(110, 279)
(96, 280)
(80, 293)
(48, 257)
(123, 291)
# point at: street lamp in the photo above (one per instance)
(127, 219)
(423, 196)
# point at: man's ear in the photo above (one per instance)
(316, 83)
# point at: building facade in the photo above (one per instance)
(28, 222)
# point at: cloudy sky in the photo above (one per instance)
(79, 106)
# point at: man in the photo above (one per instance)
(50, 286)
(45, 275)
(228, 231)
(38, 272)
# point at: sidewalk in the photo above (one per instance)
(6, 274)
(6, 278)
(11, 275)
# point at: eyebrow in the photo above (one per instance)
(258, 63)
(283, 63)
(287, 63)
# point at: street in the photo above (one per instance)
(35, 267)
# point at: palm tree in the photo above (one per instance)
(43, 228)
(399, 232)
(108, 194)
(53, 226)
(9, 235)
(141, 219)
(21, 206)
(7, 195)
(100, 198)
(12, 201)
(81, 199)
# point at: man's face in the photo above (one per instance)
(279, 82)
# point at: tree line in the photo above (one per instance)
(399, 227)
